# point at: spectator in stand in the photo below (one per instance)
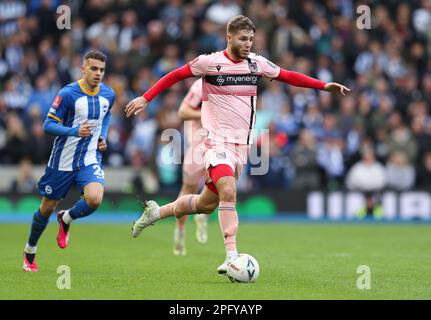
(346, 115)
(25, 181)
(17, 145)
(426, 88)
(168, 62)
(381, 144)
(222, 11)
(129, 28)
(274, 98)
(13, 98)
(313, 121)
(39, 143)
(330, 159)
(105, 33)
(424, 172)
(401, 139)
(400, 173)
(280, 171)
(368, 177)
(304, 158)
(285, 123)
(41, 97)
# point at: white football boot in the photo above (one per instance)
(201, 221)
(230, 256)
(147, 218)
(222, 269)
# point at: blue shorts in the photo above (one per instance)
(55, 184)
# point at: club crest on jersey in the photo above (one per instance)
(252, 65)
(57, 102)
(218, 67)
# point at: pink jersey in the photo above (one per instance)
(194, 99)
(229, 93)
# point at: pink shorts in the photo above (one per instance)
(233, 154)
(193, 165)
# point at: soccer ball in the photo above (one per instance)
(243, 269)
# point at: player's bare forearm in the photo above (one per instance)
(186, 112)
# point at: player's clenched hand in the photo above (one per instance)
(85, 129)
(135, 106)
(101, 144)
(336, 87)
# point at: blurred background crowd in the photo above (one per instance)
(378, 136)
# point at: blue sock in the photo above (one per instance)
(80, 210)
(38, 225)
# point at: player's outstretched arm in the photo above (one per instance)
(140, 103)
(302, 80)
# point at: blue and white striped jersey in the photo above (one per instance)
(72, 106)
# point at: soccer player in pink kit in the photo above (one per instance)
(230, 79)
(193, 166)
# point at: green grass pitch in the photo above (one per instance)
(297, 261)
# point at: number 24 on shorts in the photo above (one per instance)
(98, 172)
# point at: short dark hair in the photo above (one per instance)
(95, 54)
(240, 23)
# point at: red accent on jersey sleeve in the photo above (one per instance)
(300, 80)
(167, 81)
(57, 102)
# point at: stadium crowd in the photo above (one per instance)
(317, 140)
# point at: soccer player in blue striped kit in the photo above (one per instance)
(79, 117)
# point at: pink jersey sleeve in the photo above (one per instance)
(199, 66)
(194, 96)
(269, 69)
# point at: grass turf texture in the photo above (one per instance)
(297, 261)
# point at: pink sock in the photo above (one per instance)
(228, 219)
(180, 207)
